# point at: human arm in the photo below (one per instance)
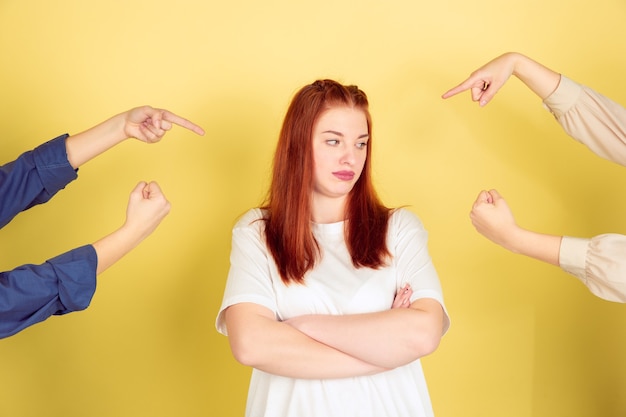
(387, 339)
(253, 279)
(31, 293)
(487, 80)
(598, 262)
(145, 123)
(590, 118)
(258, 340)
(397, 336)
(587, 116)
(37, 175)
(250, 315)
(33, 178)
(492, 217)
(147, 207)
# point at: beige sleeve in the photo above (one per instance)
(590, 118)
(599, 263)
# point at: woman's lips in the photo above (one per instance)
(344, 175)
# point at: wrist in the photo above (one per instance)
(516, 61)
(118, 127)
(131, 235)
(515, 239)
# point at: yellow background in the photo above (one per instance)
(526, 338)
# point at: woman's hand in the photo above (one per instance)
(149, 125)
(403, 297)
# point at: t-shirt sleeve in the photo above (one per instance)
(31, 293)
(249, 277)
(409, 246)
(599, 263)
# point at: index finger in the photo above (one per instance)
(464, 86)
(180, 121)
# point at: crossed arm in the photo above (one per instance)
(329, 346)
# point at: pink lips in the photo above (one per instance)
(344, 175)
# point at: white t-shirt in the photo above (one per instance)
(334, 287)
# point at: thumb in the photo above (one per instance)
(152, 190)
(482, 198)
(138, 190)
(495, 196)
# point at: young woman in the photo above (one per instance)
(587, 116)
(331, 297)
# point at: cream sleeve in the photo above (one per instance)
(591, 118)
(599, 263)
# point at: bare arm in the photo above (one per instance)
(146, 208)
(145, 123)
(258, 340)
(388, 339)
(485, 82)
(493, 219)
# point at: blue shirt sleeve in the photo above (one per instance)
(33, 178)
(31, 293)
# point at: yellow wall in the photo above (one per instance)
(526, 339)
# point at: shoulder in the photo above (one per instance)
(248, 234)
(405, 229)
(251, 219)
(402, 218)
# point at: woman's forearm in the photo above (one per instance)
(388, 339)
(540, 246)
(86, 145)
(260, 341)
(113, 247)
(144, 123)
(540, 79)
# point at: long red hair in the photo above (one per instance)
(288, 232)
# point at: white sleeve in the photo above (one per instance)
(408, 244)
(249, 277)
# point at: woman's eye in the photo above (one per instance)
(332, 142)
(361, 145)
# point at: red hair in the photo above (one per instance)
(288, 232)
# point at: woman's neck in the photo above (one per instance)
(328, 210)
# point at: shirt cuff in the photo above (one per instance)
(563, 98)
(52, 164)
(573, 255)
(76, 272)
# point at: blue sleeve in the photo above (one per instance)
(33, 178)
(32, 293)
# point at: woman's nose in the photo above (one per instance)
(348, 156)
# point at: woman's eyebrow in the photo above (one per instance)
(363, 136)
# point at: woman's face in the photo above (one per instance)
(340, 138)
